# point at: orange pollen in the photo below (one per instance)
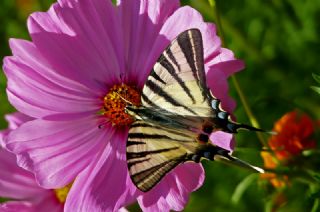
(116, 101)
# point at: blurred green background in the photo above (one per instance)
(279, 42)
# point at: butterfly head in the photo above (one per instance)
(131, 110)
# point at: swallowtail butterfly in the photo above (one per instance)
(177, 115)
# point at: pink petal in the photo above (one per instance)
(172, 193)
(228, 67)
(41, 203)
(50, 93)
(141, 22)
(3, 134)
(15, 182)
(226, 55)
(48, 202)
(16, 119)
(188, 18)
(182, 19)
(81, 40)
(223, 140)
(105, 185)
(56, 151)
(218, 84)
(123, 210)
(15, 206)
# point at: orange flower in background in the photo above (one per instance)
(294, 134)
(271, 163)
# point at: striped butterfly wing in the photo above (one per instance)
(152, 151)
(176, 85)
(177, 82)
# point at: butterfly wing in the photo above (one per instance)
(152, 151)
(177, 82)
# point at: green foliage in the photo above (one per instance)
(317, 78)
(279, 42)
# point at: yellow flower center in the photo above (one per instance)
(115, 102)
(62, 193)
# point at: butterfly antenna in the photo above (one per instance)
(234, 161)
(124, 99)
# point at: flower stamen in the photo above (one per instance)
(62, 193)
(115, 102)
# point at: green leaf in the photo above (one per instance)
(212, 3)
(315, 195)
(315, 206)
(316, 89)
(316, 77)
(2, 199)
(242, 187)
(317, 177)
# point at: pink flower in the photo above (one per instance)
(19, 184)
(81, 50)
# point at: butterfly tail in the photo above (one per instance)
(233, 127)
(234, 161)
(224, 121)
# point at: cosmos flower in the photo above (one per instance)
(20, 185)
(294, 134)
(81, 53)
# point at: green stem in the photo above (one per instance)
(243, 99)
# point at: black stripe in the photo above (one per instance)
(140, 124)
(143, 124)
(131, 143)
(167, 165)
(165, 63)
(186, 47)
(156, 167)
(149, 136)
(185, 44)
(148, 101)
(130, 164)
(156, 77)
(172, 58)
(135, 155)
(155, 88)
(155, 136)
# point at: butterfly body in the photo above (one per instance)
(177, 115)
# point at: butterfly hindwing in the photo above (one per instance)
(152, 151)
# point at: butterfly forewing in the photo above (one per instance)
(177, 81)
(152, 151)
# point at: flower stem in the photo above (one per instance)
(243, 99)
